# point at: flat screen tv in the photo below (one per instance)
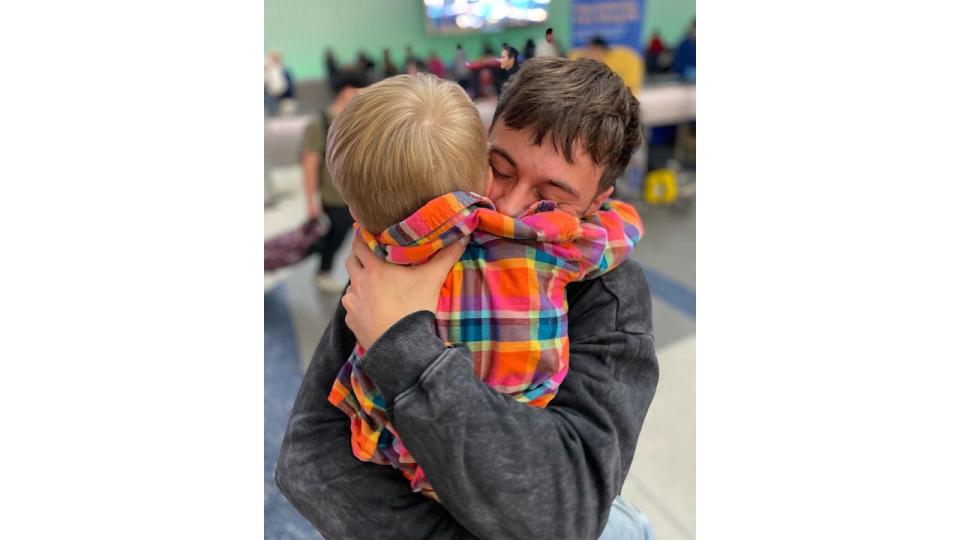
(459, 16)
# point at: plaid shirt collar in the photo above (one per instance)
(439, 223)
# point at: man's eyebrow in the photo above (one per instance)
(503, 153)
(560, 184)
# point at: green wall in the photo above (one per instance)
(302, 29)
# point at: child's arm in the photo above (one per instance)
(608, 238)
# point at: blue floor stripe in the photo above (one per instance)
(281, 381)
(672, 292)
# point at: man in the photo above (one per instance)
(564, 131)
(508, 66)
(316, 179)
(547, 47)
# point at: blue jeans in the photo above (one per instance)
(626, 523)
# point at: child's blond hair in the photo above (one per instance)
(404, 141)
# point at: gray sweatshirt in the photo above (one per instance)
(502, 469)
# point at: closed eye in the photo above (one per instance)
(499, 174)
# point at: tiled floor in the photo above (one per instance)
(662, 480)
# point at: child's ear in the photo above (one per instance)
(352, 215)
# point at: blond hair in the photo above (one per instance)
(404, 141)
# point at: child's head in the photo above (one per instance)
(402, 142)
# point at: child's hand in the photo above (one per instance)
(380, 293)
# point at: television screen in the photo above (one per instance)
(452, 16)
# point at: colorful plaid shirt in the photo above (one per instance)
(505, 299)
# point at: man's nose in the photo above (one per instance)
(514, 200)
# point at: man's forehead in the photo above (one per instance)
(513, 140)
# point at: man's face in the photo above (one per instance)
(549, 38)
(505, 61)
(524, 173)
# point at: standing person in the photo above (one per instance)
(330, 62)
(365, 64)
(411, 58)
(656, 43)
(435, 65)
(547, 47)
(509, 64)
(459, 68)
(316, 177)
(389, 68)
(529, 50)
(655, 50)
(563, 130)
(277, 82)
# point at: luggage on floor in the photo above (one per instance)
(293, 246)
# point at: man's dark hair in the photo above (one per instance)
(549, 31)
(571, 101)
(598, 41)
(351, 77)
(512, 52)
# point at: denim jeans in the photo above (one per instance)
(626, 523)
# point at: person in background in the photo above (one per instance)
(509, 64)
(485, 71)
(435, 65)
(656, 44)
(413, 65)
(657, 56)
(316, 179)
(624, 65)
(365, 64)
(389, 68)
(277, 82)
(529, 50)
(411, 58)
(330, 62)
(459, 68)
(685, 56)
(547, 47)
(597, 49)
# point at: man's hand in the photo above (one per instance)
(380, 293)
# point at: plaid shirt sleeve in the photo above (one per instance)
(608, 237)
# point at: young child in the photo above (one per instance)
(409, 156)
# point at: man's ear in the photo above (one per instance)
(598, 200)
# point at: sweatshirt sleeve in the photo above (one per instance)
(507, 470)
(343, 497)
